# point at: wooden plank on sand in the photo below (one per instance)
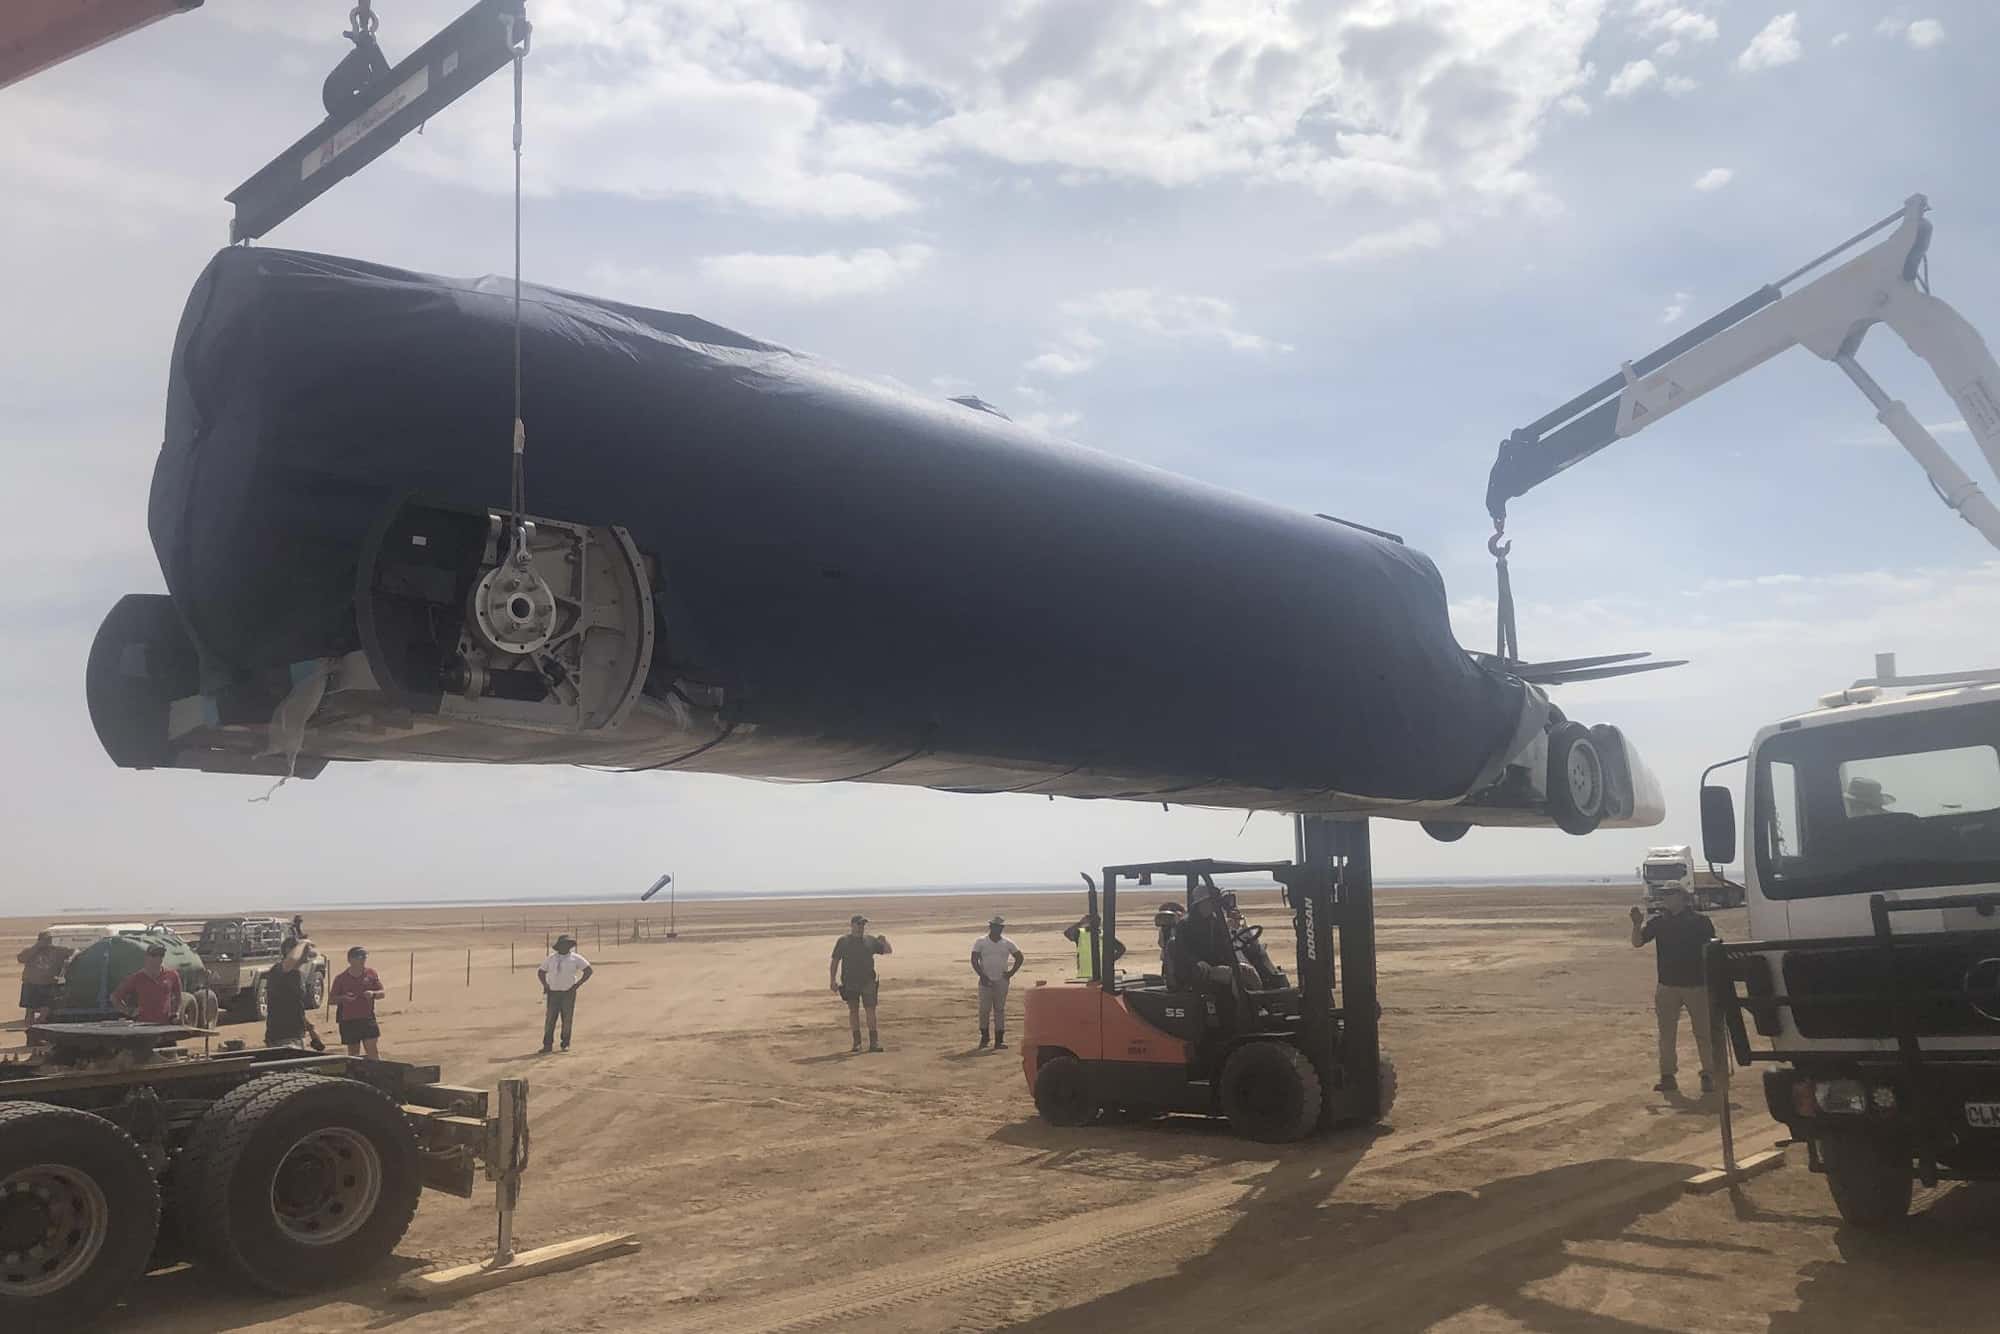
(463, 1280)
(1707, 1183)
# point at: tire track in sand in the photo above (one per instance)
(1046, 1254)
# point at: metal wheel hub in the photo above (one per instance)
(514, 609)
(53, 1222)
(326, 1187)
(1585, 781)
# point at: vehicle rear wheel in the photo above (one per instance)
(1445, 831)
(1871, 1177)
(1270, 1092)
(79, 1210)
(304, 1183)
(1062, 1092)
(1576, 779)
(260, 998)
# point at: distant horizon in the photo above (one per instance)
(920, 890)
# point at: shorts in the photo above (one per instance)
(359, 1030)
(864, 995)
(37, 995)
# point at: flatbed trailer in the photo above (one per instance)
(278, 1168)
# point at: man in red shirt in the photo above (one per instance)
(153, 994)
(354, 994)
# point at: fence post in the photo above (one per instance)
(468, 968)
(413, 974)
(510, 956)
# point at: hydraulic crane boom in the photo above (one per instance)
(1829, 316)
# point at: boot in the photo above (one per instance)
(984, 1038)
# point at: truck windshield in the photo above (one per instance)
(1656, 872)
(1901, 801)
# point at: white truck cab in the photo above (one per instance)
(1871, 869)
(1665, 870)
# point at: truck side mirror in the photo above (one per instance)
(1718, 826)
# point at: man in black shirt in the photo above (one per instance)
(854, 962)
(286, 1022)
(1679, 936)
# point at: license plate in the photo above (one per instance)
(1985, 1115)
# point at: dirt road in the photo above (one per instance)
(1527, 1179)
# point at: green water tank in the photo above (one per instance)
(96, 971)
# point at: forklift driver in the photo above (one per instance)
(1250, 946)
(1201, 942)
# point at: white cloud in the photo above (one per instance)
(1148, 312)
(1714, 179)
(1838, 39)
(1574, 105)
(1924, 34)
(1669, 48)
(1777, 44)
(1679, 85)
(1677, 22)
(1055, 423)
(819, 276)
(1675, 309)
(1420, 235)
(1631, 79)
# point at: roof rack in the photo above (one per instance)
(1886, 677)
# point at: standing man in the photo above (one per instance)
(995, 960)
(851, 976)
(1679, 935)
(354, 994)
(153, 994)
(42, 965)
(286, 1020)
(563, 973)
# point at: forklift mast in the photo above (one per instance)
(1332, 886)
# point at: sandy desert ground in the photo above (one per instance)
(1527, 1178)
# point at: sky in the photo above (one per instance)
(1324, 254)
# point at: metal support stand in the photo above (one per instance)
(506, 1162)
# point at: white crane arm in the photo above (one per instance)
(1829, 317)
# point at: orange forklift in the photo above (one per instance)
(1219, 1030)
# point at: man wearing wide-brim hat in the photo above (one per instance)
(995, 960)
(563, 974)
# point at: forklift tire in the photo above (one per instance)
(1062, 1092)
(1270, 1092)
(1445, 831)
(1576, 779)
(1870, 1177)
(79, 1210)
(304, 1183)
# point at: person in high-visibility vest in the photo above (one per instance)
(1082, 932)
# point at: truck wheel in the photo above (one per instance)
(260, 998)
(1385, 1078)
(1445, 831)
(1270, 1092)
(1870, 1177)
(1576, 779)
(79, 1210)
(1062, 1092)
(304, 1183)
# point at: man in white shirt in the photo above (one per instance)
(995, 960)
(563, 975)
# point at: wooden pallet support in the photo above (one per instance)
(1721, 1178)
(464, 1280)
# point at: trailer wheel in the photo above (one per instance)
(79, 1210)
(304, 1183)
(1576, 779)
(1870, 1177)
(1270, 1092)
